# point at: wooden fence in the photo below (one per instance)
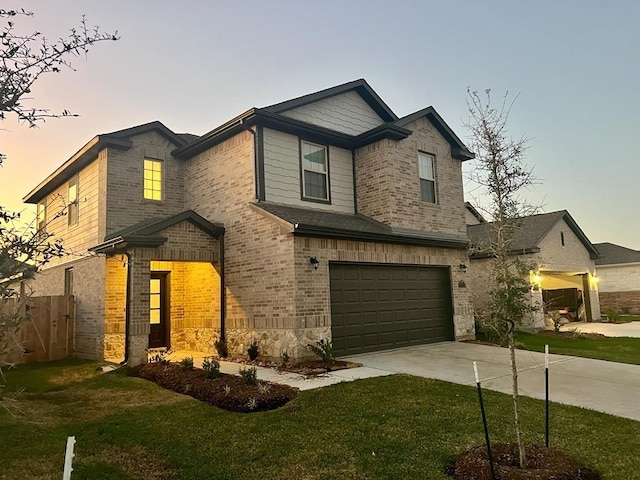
(46, 331)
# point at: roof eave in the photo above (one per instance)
(328, 232)
(83, 157)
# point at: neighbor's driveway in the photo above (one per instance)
(604, 386)
(631, 329)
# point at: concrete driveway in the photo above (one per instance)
(631, 329)
(603, 386)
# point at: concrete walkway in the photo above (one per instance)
(293, 379)
(603, 386)
(596, 384)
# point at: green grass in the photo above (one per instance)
(631, 318)
(396, 427)
(613, 349)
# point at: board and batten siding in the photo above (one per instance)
(282, 174)
(347, 113)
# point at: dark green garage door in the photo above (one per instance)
(376, 307)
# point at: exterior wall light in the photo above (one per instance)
(314, 262)
(536, 280)
(463, 267)
(594, 281)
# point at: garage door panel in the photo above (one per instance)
(375, 307)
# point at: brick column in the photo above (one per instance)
(139, 310)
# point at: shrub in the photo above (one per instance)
(323, 349)
(249, 374)
(227, 390)
(186, 363)
(211, 366)
(264, 388)
(253, 350)
(613, 315)
(160, 356)
(285, 358)
(221, 348)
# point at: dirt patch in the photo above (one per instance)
(542, 463)
(316, 367)
(228, 392)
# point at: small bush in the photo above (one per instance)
(211, 366)
(264, 388)
(613, 315)
(253, 350)
(227, 390)
(285, 358)
(221, 348)
(249, 374)
(323, 349)
(252, 404)
(186, 363)
(160, 357)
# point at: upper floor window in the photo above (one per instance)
(72, 206)
(153, 179)
(42, 218)
(315, 171)
(427, 177)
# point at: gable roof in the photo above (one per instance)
(612, 254)
(474, 211)
(359, 86)
(118, 140)
(307, 222)
(393, 128)
(148, 232)
(532, 229)
(458, 149)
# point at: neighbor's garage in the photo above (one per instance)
(376, 307)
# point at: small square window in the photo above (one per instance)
(315, 178)
(426, 171)
(152, 179)
(42, 219)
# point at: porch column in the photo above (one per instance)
(138, 331)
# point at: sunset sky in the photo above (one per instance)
(194, 65)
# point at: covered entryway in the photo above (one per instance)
(382, 306)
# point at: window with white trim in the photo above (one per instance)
(152, 179)
(315, 171)
(73, 204)
(426, 170)
(42, 218)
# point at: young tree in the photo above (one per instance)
(24, 58)
(502, 174)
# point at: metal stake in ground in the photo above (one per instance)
(484, 421)
(546, 394)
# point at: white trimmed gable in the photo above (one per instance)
(347, 113)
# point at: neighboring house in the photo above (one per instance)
(619, 273)
(563, 265)
(326, 216)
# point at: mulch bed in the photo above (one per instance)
(242, 397)
(316, 367)
(542, 464)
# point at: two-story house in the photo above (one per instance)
(325, 216)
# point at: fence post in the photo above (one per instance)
(68, 458)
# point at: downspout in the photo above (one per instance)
(127, 303)
(223, 296)
(256, 165)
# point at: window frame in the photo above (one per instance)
(152, 190)
(41, 218)
(432, 158)
(73, 206)
(303, 193)
(68, 281)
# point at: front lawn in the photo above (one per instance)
(613, 349)
(397, 427)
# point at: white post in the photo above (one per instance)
(68, 458)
